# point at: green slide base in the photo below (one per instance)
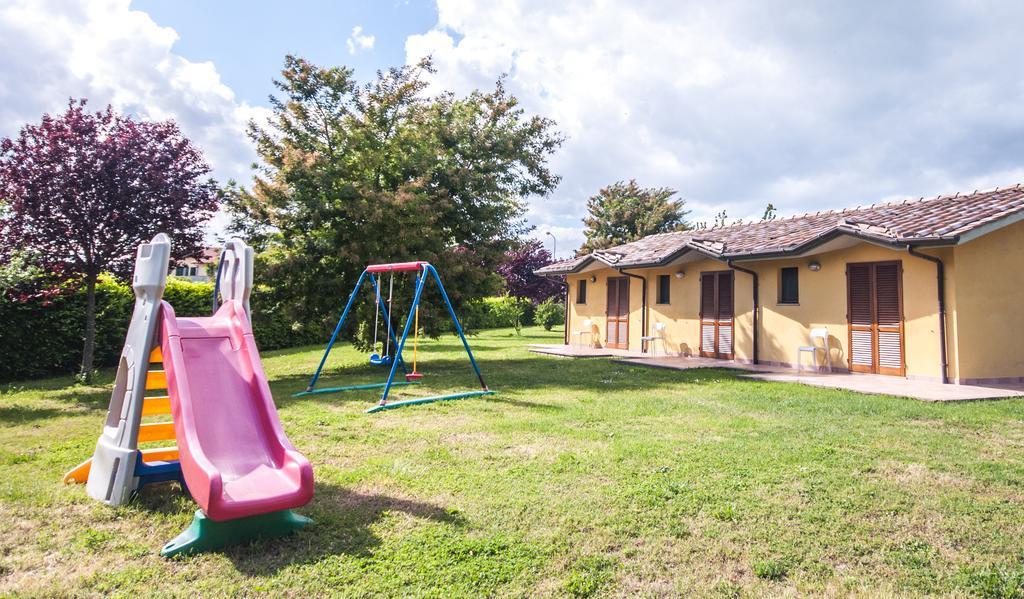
(422, 400)
(353, 388)
(207, 535)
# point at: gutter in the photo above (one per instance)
(753, 274)
(643, 304)
(940, 274)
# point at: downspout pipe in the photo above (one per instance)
(940, 274)
(757, 304)
(643, 303)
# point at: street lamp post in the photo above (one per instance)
(554, 246)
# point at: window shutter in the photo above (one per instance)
(876, 317)
(860, 294)
(887, 287)
(707, 296)
(708, 312)
(623, 310)
(725, 308)
(861, 320)
(889, 315)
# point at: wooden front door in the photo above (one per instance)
(618, 313)
(875, 316)
(716, 314)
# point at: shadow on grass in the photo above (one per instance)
(15, 415)
(343, 524)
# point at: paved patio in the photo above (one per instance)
(861, 383)
(571, 351)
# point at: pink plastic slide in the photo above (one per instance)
(235, 457)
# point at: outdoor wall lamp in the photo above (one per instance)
(815, 266)
(680, 274)
(593, 279)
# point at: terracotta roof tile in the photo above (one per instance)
(939, 219)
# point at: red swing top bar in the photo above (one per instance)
(396, 266)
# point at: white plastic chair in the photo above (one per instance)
(652, 340)
(587, 328)
(814, 348)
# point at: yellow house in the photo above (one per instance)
(925, 288)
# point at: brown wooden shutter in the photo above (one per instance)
(888, 318)
(875, 304)
(708, 313)
(716, 314)
(612, 312)
(725, 315)
(617, 333)
(707, 296)
(861, 318)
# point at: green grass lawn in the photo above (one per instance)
(578, 478)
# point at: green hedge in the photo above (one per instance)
(486, 313)
(45, 337)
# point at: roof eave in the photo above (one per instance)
(991, 226)
(892, 243)
(568, 271)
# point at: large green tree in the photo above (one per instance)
(356, 173)
(625, 211)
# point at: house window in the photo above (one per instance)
(664, 289)
(789, 285)
(192, 271)
(581, 291)
(181, 271)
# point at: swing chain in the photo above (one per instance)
(391, 292)
(376, 313)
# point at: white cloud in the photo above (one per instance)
(104, 51)
(358, 42)
(807, 106)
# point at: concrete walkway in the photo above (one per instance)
(861, 383)
(571, 351)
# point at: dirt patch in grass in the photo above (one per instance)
(920, 475)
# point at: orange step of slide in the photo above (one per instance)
(155, 406)
(156, 379)
(156, 431)
(80, 473)
(156, 356)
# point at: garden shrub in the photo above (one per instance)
(44, 336)
(495, 313)
(509, 311)
(549, 313)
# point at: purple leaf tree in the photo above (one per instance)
(83, 189)
(517, 270)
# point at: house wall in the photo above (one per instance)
(783, 328)
(988, 299)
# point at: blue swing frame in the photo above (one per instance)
(423, 269)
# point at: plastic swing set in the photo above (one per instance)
(424, 271)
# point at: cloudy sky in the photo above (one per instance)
(808, 105)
